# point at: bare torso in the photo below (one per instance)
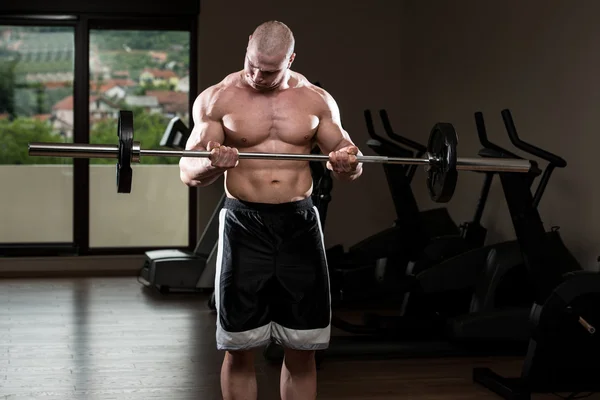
(281, 121)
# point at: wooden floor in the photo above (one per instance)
(111, 338)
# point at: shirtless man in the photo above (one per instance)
(272, 280)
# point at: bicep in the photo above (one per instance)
(331, 136)
(207, 127)
(205, 130)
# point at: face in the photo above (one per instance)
(263, 72)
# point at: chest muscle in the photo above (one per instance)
(253, 120)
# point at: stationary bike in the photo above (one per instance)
(564, 346)
(373, 270)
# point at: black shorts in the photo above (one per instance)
(272, 281)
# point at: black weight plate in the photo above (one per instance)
(442, 174)
(125, 133)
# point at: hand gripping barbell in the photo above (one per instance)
(440, 160)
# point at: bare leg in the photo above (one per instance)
(238, 377)
(298, 375)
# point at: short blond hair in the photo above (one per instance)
(272, 38)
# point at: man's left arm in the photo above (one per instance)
(335, 141)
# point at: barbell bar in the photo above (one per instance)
(112, 151)
(440, 160)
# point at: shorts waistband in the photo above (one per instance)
(241, 205)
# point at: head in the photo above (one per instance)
(269, 55)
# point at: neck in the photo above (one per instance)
(284, 84)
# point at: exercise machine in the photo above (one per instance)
(322, 186)
(359, 272)
(432, 223)
(494, 276)
(472, 233)
(176, 134)
(490, 328)
(445, 239)
(564, 345)
(362, 273)
(447, 286)
(179, 270)
(373, 269)
(382, 243)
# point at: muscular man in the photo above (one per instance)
(272, 281)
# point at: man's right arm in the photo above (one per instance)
(207, 130)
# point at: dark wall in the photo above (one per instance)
(172, 7)
(539, 58)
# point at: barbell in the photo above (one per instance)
(440, 160)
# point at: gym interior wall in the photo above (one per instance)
(537, 58)
(107, 7)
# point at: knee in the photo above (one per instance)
(239, 359)
(299, 360)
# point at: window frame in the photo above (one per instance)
(83, 23)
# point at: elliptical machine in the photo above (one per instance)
(471, 233)
(382, 243)
(374, 269)
(490, 327)
(564, 345)
(490, 278)
(446, 239)
(432, 223)
(446, 286)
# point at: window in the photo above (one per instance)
(144, 64)
(36, 73)
(146, 72)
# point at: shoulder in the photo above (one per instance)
(212, 99)
(318, 96)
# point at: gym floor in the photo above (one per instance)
(111, 338)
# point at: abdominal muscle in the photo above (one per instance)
(282, 122)
(264, 181)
